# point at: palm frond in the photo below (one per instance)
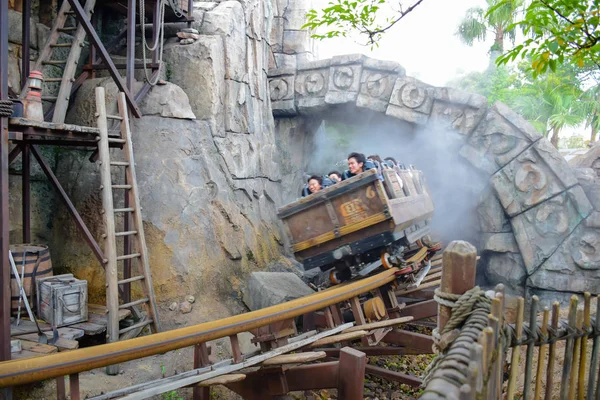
(473, 26)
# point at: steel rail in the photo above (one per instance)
(20, 372)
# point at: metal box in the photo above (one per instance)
(62, 300)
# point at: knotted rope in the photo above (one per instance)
(469, 315)
(6, 108)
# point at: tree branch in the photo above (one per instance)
(373, 33)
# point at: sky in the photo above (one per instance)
(424, 42)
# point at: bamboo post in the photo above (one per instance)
(492, 382)
(576, 349)
(531, 345)
(458, 274)
(516, 351)
(564, 389)
(594, 360)
(552, 353)
(587, 325)
(541, 357)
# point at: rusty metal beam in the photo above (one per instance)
(14, 153)
(411, 380)
(412, 340)
(420, 310)
(96, 42)
(4, 218)
(20, 372)
(25, 42)
(26, 194)
(72, 210)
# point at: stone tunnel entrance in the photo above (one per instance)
(491, 174)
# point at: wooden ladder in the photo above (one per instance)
(69, 66)
(139, 251)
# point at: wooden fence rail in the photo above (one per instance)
(481, 359)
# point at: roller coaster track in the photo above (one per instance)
(20, 372)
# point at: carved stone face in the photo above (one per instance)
(596, 166)
(586, 251)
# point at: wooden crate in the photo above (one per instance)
(62, 300)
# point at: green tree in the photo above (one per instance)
(557, 32)
(342, 17)
(497, 20)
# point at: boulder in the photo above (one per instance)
(168, 101)
(185, 307)
(267, 289)
(590, 183)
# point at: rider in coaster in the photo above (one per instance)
(335, 176)
(357, 164)
(315, 183)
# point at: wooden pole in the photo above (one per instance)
(587, 324)
(541, 357)
(458, 274)
(566, 372)
(516, 351)
(351, 374)
(552, 353)
(533, 336)
(576, 349)
(594, 359)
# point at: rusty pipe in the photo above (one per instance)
(20, 372)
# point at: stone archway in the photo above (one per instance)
(539, 230)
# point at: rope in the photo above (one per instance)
(469, 312)
(6, 108)
(159, 40)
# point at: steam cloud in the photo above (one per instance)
(454, 184)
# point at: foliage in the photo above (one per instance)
(342, 17)
(498, 20)
(557, 32)
(573, 142)
(550, 104)
(172, 395)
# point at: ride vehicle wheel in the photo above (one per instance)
(385, 261)
(334, 277)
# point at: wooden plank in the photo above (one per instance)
(26, 326)
(425, 286)
(339, 338)
(38, 347)
(63, 343)
(295, 358)
(90, 328)
(380, 324)
(25, 354)
(27, 123)
(223, 380)
(168, 384)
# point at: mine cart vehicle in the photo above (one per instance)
(362, 224)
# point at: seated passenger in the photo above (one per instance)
(357, 164)
(335, 176)
(327, 182)
(391, 162)
(315, 183)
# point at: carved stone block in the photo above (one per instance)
(376, 86)
(540, 230)
(575, 266)
(537, 174)
(312, 82)
(456, 110)
(411, 100)
(344, 83)
(505, 268)
(492, 218)
(501, 137)
(281, 92)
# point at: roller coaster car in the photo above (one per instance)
(362, 224)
